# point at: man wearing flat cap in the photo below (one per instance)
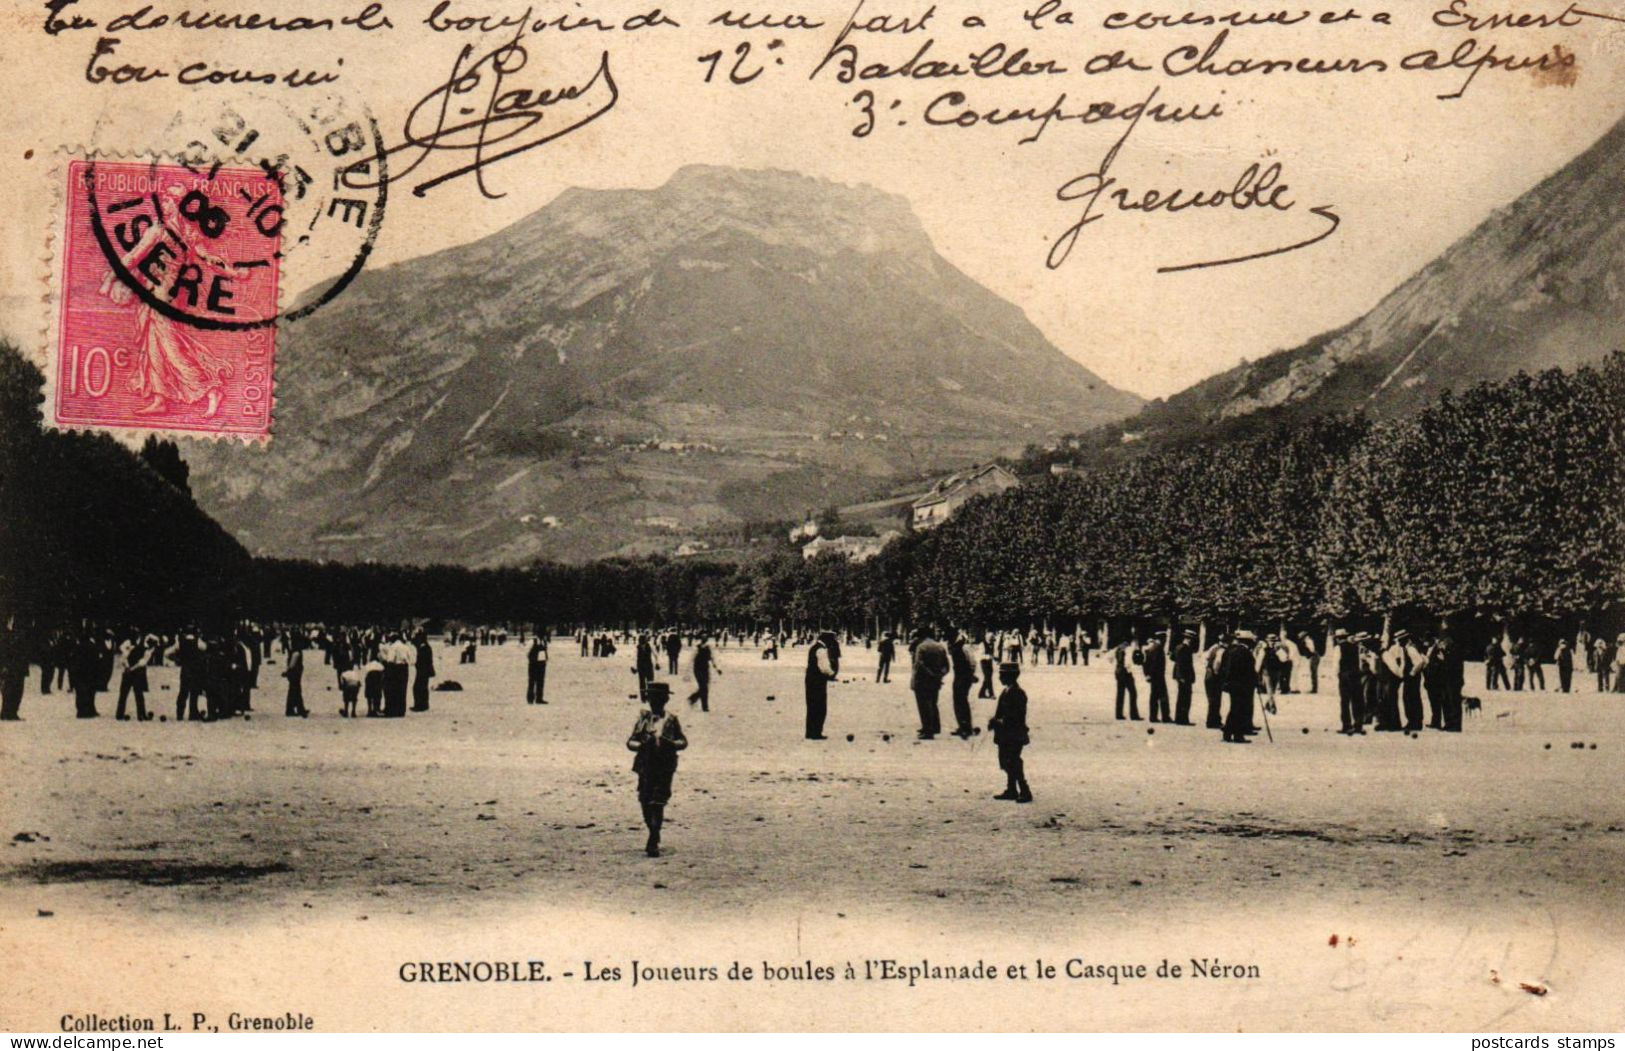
(1184, 676)
(1412, 662)
(1154, 665)
(1009, 729)
(1350, 709)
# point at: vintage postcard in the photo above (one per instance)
(818, 515)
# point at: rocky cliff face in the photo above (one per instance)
(625, 368)
(1537, 285)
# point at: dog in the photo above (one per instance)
(1472, 705)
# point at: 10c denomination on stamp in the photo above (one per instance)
(167, 299)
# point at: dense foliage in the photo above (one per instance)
(1501, 502)
(89, 528)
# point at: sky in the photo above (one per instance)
(1405, 172)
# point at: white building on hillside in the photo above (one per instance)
(951, 493)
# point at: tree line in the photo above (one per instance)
(1501, 503)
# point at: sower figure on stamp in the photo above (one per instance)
(823, 665)
(172, 366)
(656, 737)
(1009, 728)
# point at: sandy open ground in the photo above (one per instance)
(280, 864)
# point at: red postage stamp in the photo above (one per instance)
(168, 298)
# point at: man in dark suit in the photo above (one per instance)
(1565, 665)
(931, 666)
(823, 665)
(988, 648)
(645, 665)
(1009, 729)
(1154, 663)
(964, 676)
(14, 650)
(536, 664)
(189, 659)
(1124, 657)
(1452, 677)
(1240, 674)
(1350, 703)
(423, 659)
(1184, 676)
(887, 651)
(704, 662)
(1495, 668)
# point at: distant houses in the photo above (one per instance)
(855, 548)
(953, 492)
(919, 511)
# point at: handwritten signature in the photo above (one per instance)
(1257, 187)
(477, 111)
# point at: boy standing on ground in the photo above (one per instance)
(1009, 729)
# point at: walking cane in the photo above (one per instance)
(1265, 712)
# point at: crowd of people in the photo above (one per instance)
(1387, 681)
(217, 671)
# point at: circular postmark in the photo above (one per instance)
(200, 246)
(248, 189)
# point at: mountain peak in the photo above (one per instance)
(1539, 284)
(765, 204)
(731, 346)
